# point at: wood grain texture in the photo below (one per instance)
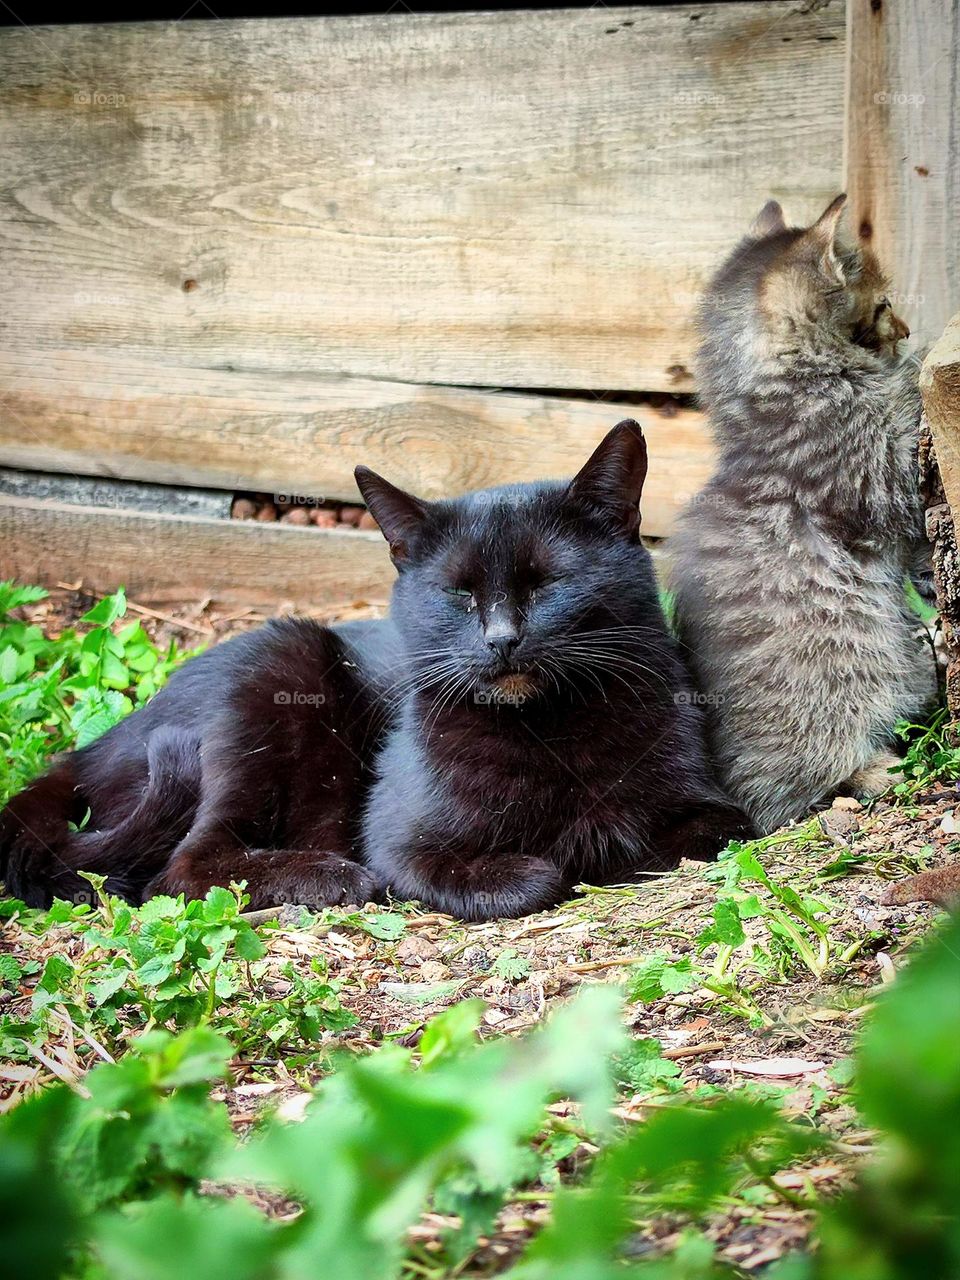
(940, 388)
(902, 158)
(525, 199)
(161, 557)
(122, 416)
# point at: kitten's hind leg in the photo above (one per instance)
(273, 876)
(875, 777)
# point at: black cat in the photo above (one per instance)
(522, 721)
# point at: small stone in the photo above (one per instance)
(478, 958)
(367, 521)
(434, 971)
(850, 803)
(243, 509)
(323, 518)
(415, 949)
(267, 513)
(296, 515)
(351, 515)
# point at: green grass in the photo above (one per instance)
(66, 692)
(135, 1173)
(99, 1185)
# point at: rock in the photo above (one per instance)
(351, 515)
(415, 949)
(434, 971)
(267, 513)
(243, 509)
(323, 518)
(850, 803)
(367, 521)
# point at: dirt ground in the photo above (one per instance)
(793, 1048)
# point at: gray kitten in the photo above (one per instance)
(789, 566)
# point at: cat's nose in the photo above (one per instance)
(502, 643)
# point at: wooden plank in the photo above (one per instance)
(303, 434)
(518, 198)
(162, 557)
(903, 131)
(98, 491)
(940, 387)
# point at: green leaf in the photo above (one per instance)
(109, 609)
(247, 945)
(510, 966)
(451, 1031)
(386, 926)
(213, 1238)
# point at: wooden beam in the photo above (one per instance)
(902, 138)
(518, 198)
(162, 557)
(940, 387)
(117, 415)
(940, 485)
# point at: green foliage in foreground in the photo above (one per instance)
(108, 1186)
(174, 964)
(62, 693)
(932, 755)
(137, 1177)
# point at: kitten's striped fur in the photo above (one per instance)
(789, 566)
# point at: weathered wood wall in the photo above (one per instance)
(229, 247)
(903, 150)
(250, 254)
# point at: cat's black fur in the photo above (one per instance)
(522, 721)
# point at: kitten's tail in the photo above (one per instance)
(40, 855)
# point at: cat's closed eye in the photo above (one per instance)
(463, 595)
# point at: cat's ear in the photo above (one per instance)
(612, 477)
(823, 236)
(398, 513)
(769, 220)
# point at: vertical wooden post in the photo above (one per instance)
(940, 482)
(901, 147)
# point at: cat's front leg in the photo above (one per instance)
(474, 886)
(274, 876)
(699, 831)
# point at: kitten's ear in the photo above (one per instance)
(612, 477)
(398, 513)
(823, 235)
(769, 220)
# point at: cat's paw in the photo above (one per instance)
(327, 881)
(877, 776)
(483, 887)
(273, 876)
